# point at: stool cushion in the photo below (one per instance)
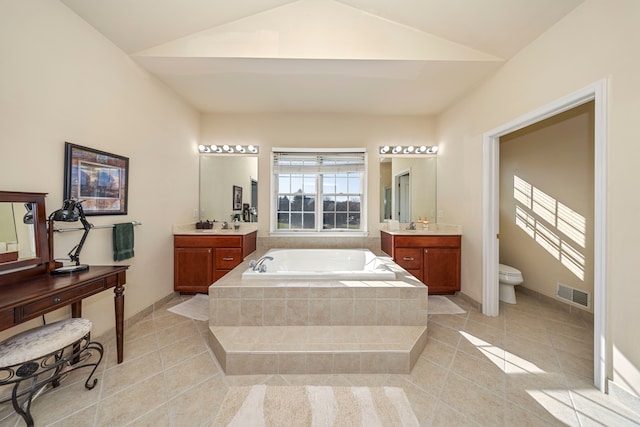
(37, 342)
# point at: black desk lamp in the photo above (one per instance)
(71, 211)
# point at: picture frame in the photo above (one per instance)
(98, 178)
(237, 198)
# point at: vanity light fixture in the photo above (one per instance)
(227, 149)
(409, 149)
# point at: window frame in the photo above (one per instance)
(319, 194)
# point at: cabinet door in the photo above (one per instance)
(441, 270)
(193, 269)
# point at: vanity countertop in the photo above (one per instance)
(431, 230)
(190, 230)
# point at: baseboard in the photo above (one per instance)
(111, 333)
(623, 396)
(475, 304)
(561, 305)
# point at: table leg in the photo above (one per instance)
(119, 306)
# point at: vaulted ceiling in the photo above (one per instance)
(399, 57)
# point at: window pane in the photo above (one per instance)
(283, 220)
(329, 183)
(329, 204)
(328, 221)
(309, 184)
(283, 203)
(284, 185)
(296, 183)
(309, 203)
(309, 220)
(341, 220)
(341, 184)
(341, 203)
(354, 204)
(354, 221)
(354, 183)
(296, 220)
(296, 203)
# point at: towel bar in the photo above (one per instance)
(64, 230)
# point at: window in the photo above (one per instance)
(319, 191)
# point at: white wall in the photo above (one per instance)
(598, 40)
(60, 80)
(317, 130)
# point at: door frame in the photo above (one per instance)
(596, 92)
(398, 200)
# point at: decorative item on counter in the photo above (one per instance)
(236, 225)
(199, 225)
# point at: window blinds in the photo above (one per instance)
(315, 163)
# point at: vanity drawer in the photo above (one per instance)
(228, 258)
(44, 305)
(409, 258)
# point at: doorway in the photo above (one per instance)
(490, 297)
(403, 196)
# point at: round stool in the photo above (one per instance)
(42, 355)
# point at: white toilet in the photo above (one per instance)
(508, 278)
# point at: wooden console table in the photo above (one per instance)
(35, 296)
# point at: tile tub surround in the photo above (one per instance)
(324, 320)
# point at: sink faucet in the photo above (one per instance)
(412, 226)
(259, 264)
(225, 225)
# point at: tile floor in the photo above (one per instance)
(532, 365)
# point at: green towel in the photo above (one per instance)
(122, 241)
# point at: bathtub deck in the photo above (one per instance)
(244, 350)
(322, 326)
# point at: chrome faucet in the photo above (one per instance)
(259, 264)
(412, 226)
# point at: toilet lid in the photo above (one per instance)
(508, 270)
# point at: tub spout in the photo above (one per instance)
(259, 264)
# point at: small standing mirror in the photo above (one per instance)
(23, 232)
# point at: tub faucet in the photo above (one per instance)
(259, 264)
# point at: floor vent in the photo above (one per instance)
(574, 296)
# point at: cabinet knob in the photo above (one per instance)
(426, 251)
(57, 300)
(407, 258)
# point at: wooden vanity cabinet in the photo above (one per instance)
(201, 260)
(434, 260)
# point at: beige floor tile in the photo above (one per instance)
(486, 373)
(58, 403)
(444, 334)
(448, 416)
(480, 405)
(192, 371)
(140, 398)
(175, 333)
(131, 372)
(81, 418)
(439, 353)
(198, 405)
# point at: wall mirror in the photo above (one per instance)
(23, 231)
(228, 187)
(408, 188)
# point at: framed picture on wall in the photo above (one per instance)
(237, 198)
(100, 179)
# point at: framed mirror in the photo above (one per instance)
(228, 187)
(23, 231)
(408, 188)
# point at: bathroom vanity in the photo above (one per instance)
(203, 256)
(433, 257)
